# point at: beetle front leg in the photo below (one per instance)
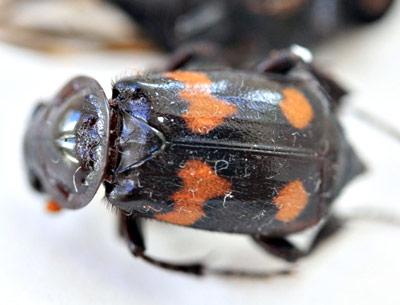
(284, 249)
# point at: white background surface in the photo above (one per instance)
(77, 258)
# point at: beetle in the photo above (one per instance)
(245, 29)
(257, 152)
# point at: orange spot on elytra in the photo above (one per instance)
(53, 206)
(296, 108)
(290, 201)
(205, 111)
(200, 184)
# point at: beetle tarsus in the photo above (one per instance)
(284, 249)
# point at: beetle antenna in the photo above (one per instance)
(379, 124)
(373, 215)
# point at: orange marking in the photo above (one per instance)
(200, 184)
(291, 201)
(296, 108)
(268, 7)
(205, 111)
(53, 206)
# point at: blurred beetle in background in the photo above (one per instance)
(245, 30)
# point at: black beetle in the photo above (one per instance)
(256, 152)
(246, 29)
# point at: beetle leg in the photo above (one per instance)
(284, 61)
(335, 90)
(131, 231)
(280, 62)
(202, 51)
(284, 249)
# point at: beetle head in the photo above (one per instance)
(66, 144)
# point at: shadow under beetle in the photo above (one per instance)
(256, 152)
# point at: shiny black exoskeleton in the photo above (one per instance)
(251, 152)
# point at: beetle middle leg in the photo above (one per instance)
(284, 249)
(284, 61)
(130, 230)
(200, 54)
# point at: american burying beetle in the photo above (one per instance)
(256, 152)
(246, 29)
